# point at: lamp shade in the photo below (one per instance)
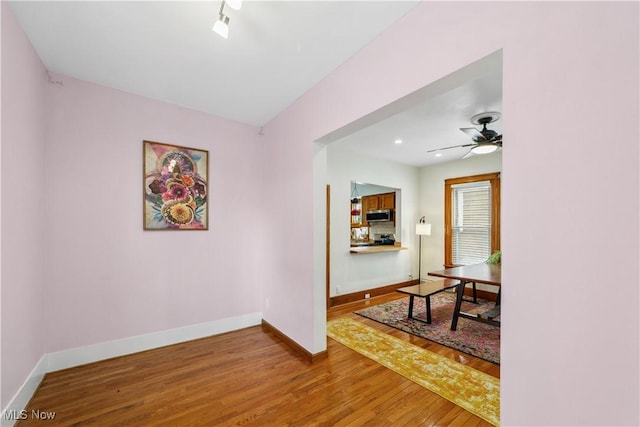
(423, 229)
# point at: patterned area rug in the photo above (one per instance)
(475, 391)
(471, 337)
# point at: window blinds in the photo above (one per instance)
(471, 222)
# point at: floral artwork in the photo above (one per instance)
(175, 187)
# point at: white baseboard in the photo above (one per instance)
(106, 350)
(13, 411)
(51, 362)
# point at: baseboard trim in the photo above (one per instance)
(51, 362)
(297, 348)
(360, 295)
(14, 409)
(107, 350)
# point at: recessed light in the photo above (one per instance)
(397, 141)
(438, 154)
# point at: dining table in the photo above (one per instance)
(488, 274)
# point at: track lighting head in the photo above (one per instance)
(234, 4)
(222, 25)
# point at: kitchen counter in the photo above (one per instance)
(376, 249)
(360, 243)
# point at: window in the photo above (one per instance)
(472, 218)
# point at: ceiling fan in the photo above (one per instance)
(485, 140)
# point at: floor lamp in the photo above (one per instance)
(422, 229)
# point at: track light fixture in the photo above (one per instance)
(234, 4)
(222, 24)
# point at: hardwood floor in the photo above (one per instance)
(248, 377)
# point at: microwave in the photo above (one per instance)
(380, 215)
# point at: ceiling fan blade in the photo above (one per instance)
(474, 134)
(469, 154)
(454, 146)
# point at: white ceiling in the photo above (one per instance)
(430, 118)
(431, 125)
(276, 51)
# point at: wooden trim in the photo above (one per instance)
(494, 180)
(360, 295)
(472, 178)
(327, 266)
(448, 257)
(495, 214)
(297, 348)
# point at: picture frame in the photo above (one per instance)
(175, 187)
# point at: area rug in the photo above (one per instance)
(473, 390)
(471, 337)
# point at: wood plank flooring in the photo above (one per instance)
(248, 377)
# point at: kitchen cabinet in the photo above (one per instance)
(379, 201)
(387, 201)
(376, 202)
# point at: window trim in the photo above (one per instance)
(494, 180)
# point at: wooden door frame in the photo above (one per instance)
(328, 246)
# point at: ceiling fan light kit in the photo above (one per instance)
(484, 148)
(485, 141)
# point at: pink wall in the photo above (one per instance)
(570, 194)
(77, 268)
(107, 277)
(23, 159)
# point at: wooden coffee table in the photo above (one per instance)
(425, 290)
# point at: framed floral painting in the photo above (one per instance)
(175, 187)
